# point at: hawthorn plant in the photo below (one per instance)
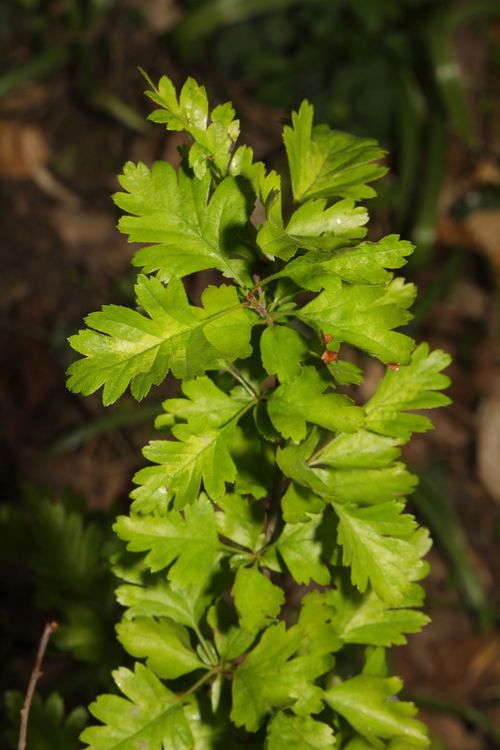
(273, 563)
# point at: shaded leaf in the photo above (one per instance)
(302, 400)
(282, 350)
(257, 599)
(301, 551)
(288, 732)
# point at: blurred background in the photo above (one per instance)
(423, 77)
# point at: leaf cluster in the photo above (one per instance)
(268, 534)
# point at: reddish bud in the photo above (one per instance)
(328, 357)
(393, 366)
(326, 338)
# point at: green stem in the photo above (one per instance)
(196, 685)
(204, 644)
(239, 377)
(274, 504)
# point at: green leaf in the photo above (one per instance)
(159, 598)
(367, 704)
(270, 678)
(127, 347)
(301, 551)
(163, 643)
(381, 548)
(149, 716)
(187, 228)
(282, 350)
(302, 400)
(362, 449)
(293, 462)
(361, 264)
(182, 466)
(363, 316)
(313, 225)
(206, 405)
(188, 539)
(257, 599)
(370, 486)
(411, 387)
(326, 163)
(201, 453)
(298, 503)
(242, 521)
(366, 619)
(315, 619)
(191, 111)
(288, 732)
(213, 142)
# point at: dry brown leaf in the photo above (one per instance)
(23, 149)
(484, 226)
(488, 445)
(159, 15)
(79, 228)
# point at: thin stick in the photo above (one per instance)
(35, 676)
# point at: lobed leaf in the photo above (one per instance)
(271, 677)
(288, 732)
(122, 346)
(187, 228)
(381, 548)
(185, 605)
(366, 619)
(282, 350)
(326, 163)
(365, 316)
(213, 143)
(367, 703)
(412, 387)
(312, 226)
(256, 598)
(189, 540)
(303, 400)
(162, 642)
(182, 466)
(365, 263)
(149, 715)
(301, 550)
